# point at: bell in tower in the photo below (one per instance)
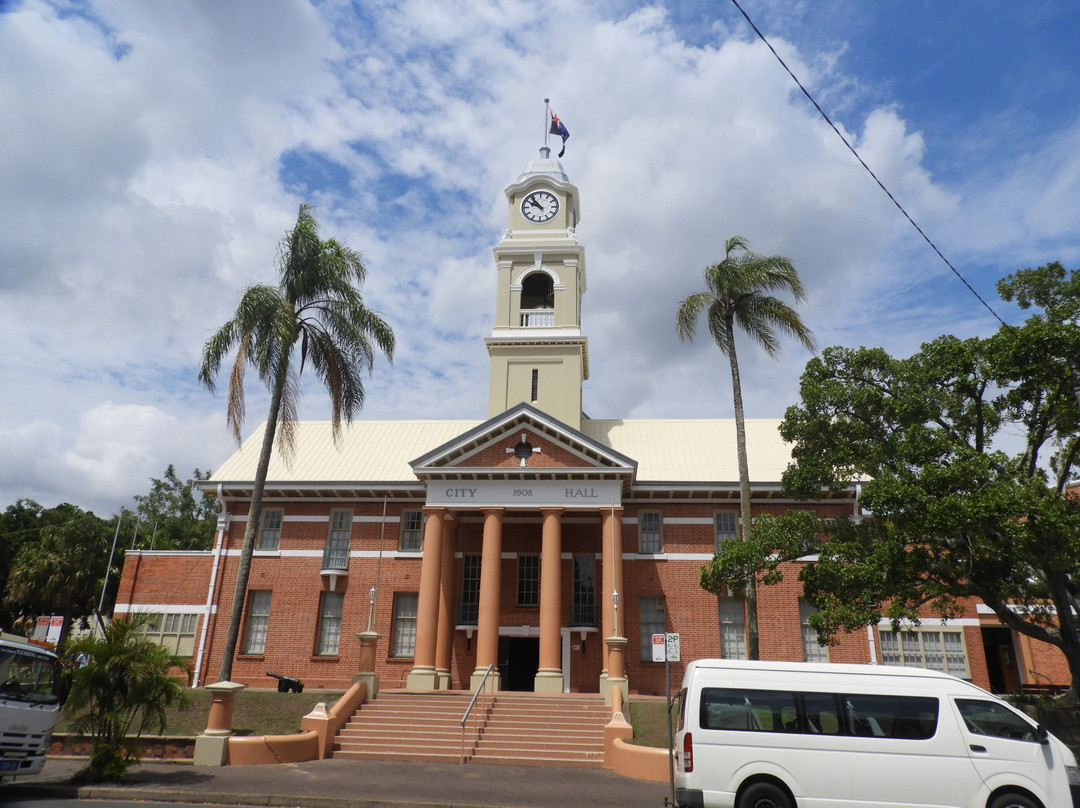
(537, 352)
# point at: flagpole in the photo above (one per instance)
(547, 119)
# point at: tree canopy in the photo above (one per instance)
(175, 514)
(964, 453)
(61, 569)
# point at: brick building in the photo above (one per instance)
(541, 542)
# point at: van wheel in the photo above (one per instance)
(766, 795)
(1013, 801)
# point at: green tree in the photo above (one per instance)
(19, 524)
(175, 514)
(316, 308)
(62, 571)
(738, 292)
(126, 689)
(964, 453)
(1056, 291)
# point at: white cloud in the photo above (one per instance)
(142, 187)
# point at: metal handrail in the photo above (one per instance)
(485, 708)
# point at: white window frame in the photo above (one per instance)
(338, 538)
(731, 615)
(652, 619)
(650, 536)
(932, 647)
(328, 636)
(403, 630)
(270, 529)
(258, 621)
(813, 651)
(174, 630)
(411, 539)
(721, 536)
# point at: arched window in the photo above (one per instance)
(537, 292)
(538, 300)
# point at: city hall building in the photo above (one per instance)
(545, 545)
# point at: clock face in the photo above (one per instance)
(540, 206)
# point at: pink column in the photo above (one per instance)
(549, 678)
(611, 574)
(445, 641)
(422, 676)
(487, 624)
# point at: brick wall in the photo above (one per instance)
(293, 576)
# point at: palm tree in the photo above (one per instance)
(737, 291)
(127, 687)
(318, 306)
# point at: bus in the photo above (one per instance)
(804, 735)
(29, 704)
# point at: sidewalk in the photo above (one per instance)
(351, 784)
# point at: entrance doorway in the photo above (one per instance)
(1001, 662)
(519, 660)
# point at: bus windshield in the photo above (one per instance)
(27, 676)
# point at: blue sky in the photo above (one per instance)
(152, 155)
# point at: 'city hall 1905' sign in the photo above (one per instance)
(533, 494)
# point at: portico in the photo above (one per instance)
(562, 477)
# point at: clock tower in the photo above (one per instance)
(537, 352)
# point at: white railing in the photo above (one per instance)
(483, 692)
(538, 318)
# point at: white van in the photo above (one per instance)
(800, 735)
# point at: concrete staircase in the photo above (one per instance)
(522, 729)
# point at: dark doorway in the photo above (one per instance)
(1001, 662)
(519, 660)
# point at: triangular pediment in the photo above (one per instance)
(523, 442)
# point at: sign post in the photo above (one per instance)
(665, 648)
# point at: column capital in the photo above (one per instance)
(557, 510)
(493, 510)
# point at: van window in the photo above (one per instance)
(913, 717)
(822, 713)
(870, 716)
(988, 718)
(755, 710)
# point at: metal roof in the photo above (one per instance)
(376, 455)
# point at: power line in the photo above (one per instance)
(851, 148)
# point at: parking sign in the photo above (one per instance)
(672, 643)
(659, 646)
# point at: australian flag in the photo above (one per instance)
(559, 128)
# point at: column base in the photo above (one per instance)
(211, 750)
(442, 679)
(422, 679)
(548, 681)
(372, 682)
(494, 680)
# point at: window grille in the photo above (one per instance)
(528, 583)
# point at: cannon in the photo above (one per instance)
(287, 683)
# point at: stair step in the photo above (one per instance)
(524, 730)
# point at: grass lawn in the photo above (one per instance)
(267, 712)
(647, 718)
(258, 712)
